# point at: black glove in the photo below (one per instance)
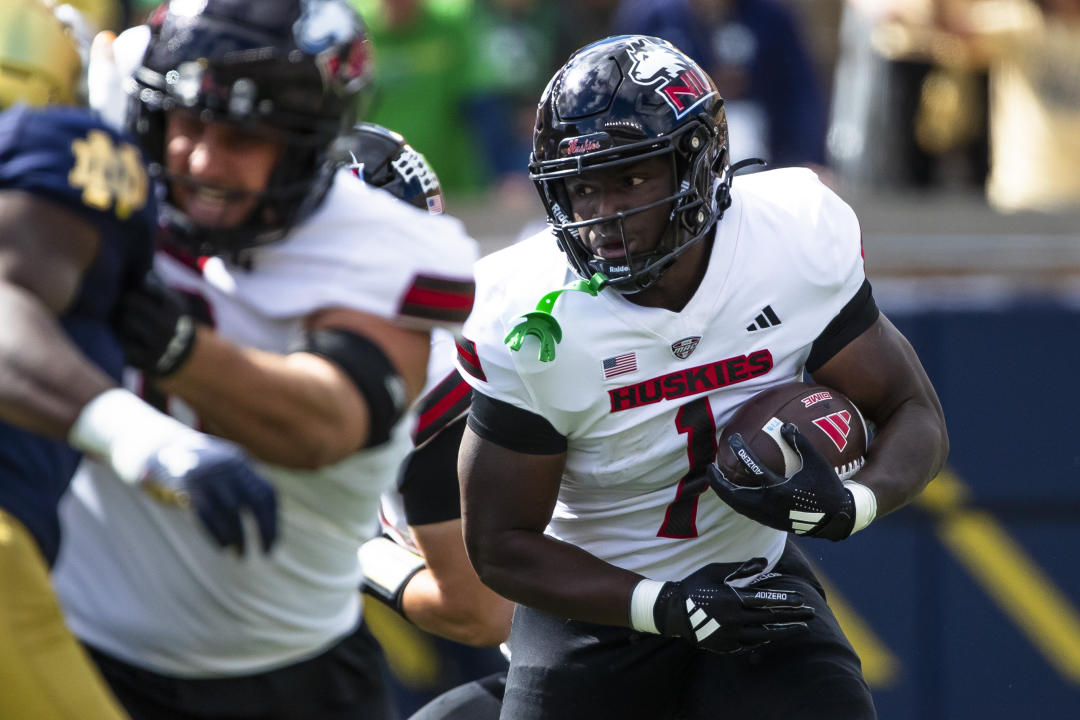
(709, 611)
(154, 327)
(215, 479)
(811, 502)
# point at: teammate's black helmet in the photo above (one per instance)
(617, 102)
(297, 66)
(384, 160)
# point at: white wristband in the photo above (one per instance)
(865, 504)
(121, 430)
(642, 602)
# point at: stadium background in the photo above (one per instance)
(966, 604)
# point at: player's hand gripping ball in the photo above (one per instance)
(783, 457)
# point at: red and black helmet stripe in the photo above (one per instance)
(470, 361)
(446, 402)
(439, 299)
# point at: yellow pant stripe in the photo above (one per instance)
(44, 673)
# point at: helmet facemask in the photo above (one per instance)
(615, 103)
(694, 156)
(291, 193)
(273, 72)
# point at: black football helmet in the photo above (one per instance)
(299, 67)
(384, 160)
(616, 102)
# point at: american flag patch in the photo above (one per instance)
(434, 205)
(620, 364)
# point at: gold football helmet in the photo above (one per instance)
(99, 14)
(39, 59)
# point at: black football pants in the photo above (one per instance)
(347, 682)
(562, 670)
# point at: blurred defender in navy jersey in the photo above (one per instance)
(295, 319)
(76, 220)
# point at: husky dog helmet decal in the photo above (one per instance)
(681, 83)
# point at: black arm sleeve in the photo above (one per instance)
(513, 428)
(371, 371)
(429, 481)
(859, 314)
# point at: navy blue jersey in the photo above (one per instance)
(67, 156)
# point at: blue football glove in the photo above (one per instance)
(214, 478)
(714, 609)
(177, 465)
(812, 502)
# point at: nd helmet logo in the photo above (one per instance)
(110, 175)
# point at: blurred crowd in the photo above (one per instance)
(984, 93)
(875, 94)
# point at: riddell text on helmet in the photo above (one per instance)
(692, 381)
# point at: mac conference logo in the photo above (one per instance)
(683, 348)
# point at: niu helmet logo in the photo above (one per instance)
(836, 425)
(322, 30)
(323, 24)
(678, 81)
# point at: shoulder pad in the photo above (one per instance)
(71, 157)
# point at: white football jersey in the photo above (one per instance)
(640, 393)
(143, 582)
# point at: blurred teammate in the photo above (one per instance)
(418, 566)
(304, 336)
(76, 217)
(595, 411)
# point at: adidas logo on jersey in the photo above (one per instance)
(765, 320)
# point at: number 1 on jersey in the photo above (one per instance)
(695, 420)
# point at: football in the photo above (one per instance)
(825, 416)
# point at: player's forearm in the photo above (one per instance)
(45, 380)
(533, 569)
(472, 615)
(295, 410)
(906, 453)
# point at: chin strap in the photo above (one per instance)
(723, 190)
(543, 325)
